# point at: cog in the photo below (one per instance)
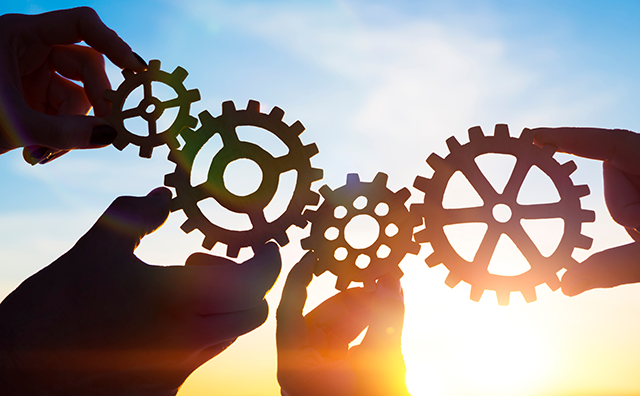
(151, 108)
(462, 158)
(298, 158)
(395, 223)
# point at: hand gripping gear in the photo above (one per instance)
(462, 158)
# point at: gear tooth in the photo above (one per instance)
(569, 167)
(553, 282)
(174, 156)
(193, 95)
(501, 131)
(306, 243)
(396, 272)
(588, 216)
(228, 107)
(381, 179)
(110, 95)
(297, 128)
(421, 183)
(582, 190)
(171, 180)
(316, 174)
(583, 242)
(191, 122)
(276, 113)
(146, 151)
(403, 195)
(300, 222)
(172, 142)
(548, 150)
(435, 161)
(342, 284)
(453, 143)
(175, 205)
(310, 150)
(413, 248)
(320, 268)
(432, 260)
(310, 215)
(475, 133)
(526, 136)
(206, 117)
(369, 286)
(503, 297)
(253, 106)
(422, 236)
(127, 73)
(312, 198)
(529, 295)
(154, 64)
(452, 280)
(476, 293)
(282, 239)
(120, 143)
(352, 178)
(188, 226)
(232, 250)
(325, 191)
(179, 74)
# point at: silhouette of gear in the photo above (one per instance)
(154, 139)
(398, 240)
(462, 158)
(298, 159)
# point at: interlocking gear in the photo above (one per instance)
(298, 158)
(395, 223)
(151, 108)
(462, 158)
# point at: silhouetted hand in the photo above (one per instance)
(98, 321)
(314, 358)
(40, 108)
(620, 152)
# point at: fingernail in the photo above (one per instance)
(103, 135)
(576, 286)
(139, 58)
(38, 155)
(49, 157)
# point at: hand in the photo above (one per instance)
(98, 321)
(40, 108)
(620, 152)
(314, 358)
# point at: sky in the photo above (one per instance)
(379, 86)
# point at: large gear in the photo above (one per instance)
(298, 158)
(398, 240)
(462, 158)
(151, 108)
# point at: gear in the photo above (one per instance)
(151, 108)
(384, 206)
(298, 159)
(462, 158)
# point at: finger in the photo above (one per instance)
(610, 268)
(67, 98)
(219, 287)
(87, 65)
(220, 328)
(291, 331)
(617, 146)
(127, 220)
(387, 316)
(622, 196)
(83, 24)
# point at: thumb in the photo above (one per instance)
(127, 220)
(610, 268)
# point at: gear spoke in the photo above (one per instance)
(524, 243)
(153, 128)
(478, 180)
(466, 215)
(147, 90)
(517, 178)
(487, 247)
(175, 102)
(543, 211)
(130, 113)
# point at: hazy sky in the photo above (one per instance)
(379, 85)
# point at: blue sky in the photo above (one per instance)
(379, 85)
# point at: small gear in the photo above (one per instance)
(151, 108)
(395, 236)
(297, 158)
(462, 158)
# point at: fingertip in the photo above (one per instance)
(573, 286)
(204, 259)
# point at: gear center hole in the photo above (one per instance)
(151, 108)
(502, 213)
(362, 231)
(242, 177)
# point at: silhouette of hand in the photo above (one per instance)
(99, 321)
(40, 108)
(620, 152)
(314, 358)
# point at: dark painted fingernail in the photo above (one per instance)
(103, 135)
(50, 157)
(38, 155)
(576, 286)
(139, 58)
